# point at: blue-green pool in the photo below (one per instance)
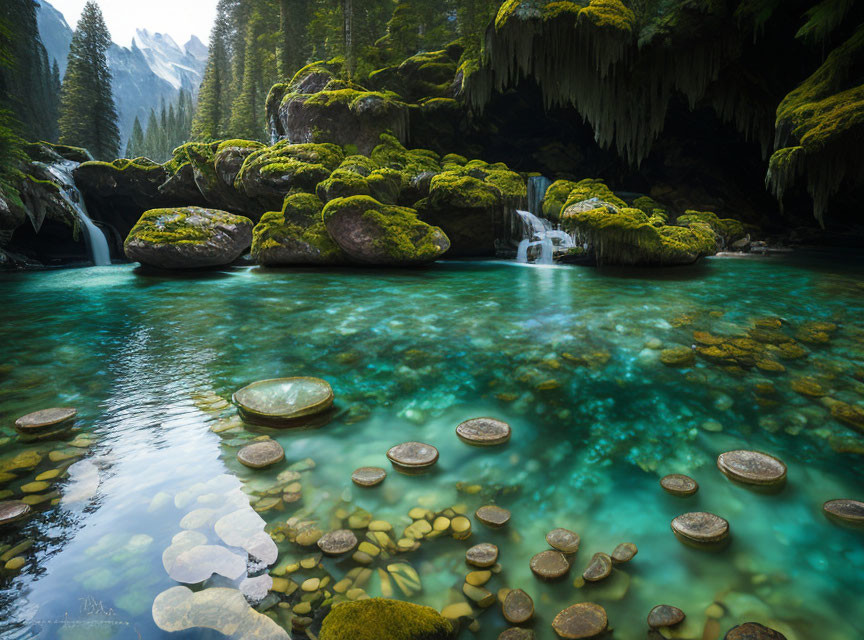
(568, 356)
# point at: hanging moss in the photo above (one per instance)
(820, 129)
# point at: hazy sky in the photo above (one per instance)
(178, 18)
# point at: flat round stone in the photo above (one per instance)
(563, 540)
(368, 476)
(492, 516)
(337, 542)
(701, 527)
(12, 511)
(583, 620)
(284, 401)
(846, 510)
(518, 607)
(413, 457)
(752, 467)
(482, 555)
(259, 455)
(599, 568)
(624, 552)
(753, 631)
(664, 615)
(516, 633)
(679, 485)
(483, 432)
(550, 565)
(45, 419)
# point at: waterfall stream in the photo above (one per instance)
(540, 240)
(94, 238)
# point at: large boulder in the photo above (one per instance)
(296, 235)
(374, 233)
(188, 238)
(271, 173)
(309, 110)
(471, 204)
(381, 619)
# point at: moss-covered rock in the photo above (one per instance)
(380, 619)
(374, 233)
(628, 237)
(429, 74)
(339, 111)
(188, 238)
(296, 235)
(271, 173)
(728, 230)
(469, 203)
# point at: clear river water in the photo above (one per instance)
(569, 356)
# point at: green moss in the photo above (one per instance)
(511, 185)
(169, 226)
(556, 195)
(454, 159)
(455, 189)
(125, 164)
(380, 619)
(342, 183)
(592, 188)
(629, 237)
(307, 164)
(242, 144)
(390, 154)
(609, 14)
(728, 229)
(298, 228)
(386, 185)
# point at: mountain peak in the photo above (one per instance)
(158, 41)
(196, 48)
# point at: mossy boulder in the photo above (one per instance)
(728, 230)
(271, 173)
(339, 111)
(188, 238)
(296, 235)
(374, 233)
(429, 74)
(380, 619)
(628, 237)
(469, 203)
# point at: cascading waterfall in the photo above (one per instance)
(538, 232)
(95, 240)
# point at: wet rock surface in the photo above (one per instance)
(518, 607)
(550, 565)
(664, 615)
(368, 476)
(846, 510)
(412, 457)
(261, 454)
(679, 485)
(337, 542)
(484, 432)
(599, 568)
(563, 540)
(583, 620)
(492, 516)
(753, 631)
(752, 467)
(701, 527)
(482, 555)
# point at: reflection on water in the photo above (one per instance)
(569, 357)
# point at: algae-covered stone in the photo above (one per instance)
(295, 235)
(337, 542)
(374, 233)
(368, 476)
(563, 540)
(624, 552)
(188, 238)
(284, 401)
(678, 356)
(583, 620)
(518, 607)
(381, 619)
(550, 565)
(516, 633)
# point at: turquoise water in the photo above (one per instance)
(568, 356)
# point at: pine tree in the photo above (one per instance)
(151, 137)
(211, 117)
(136, 140)
(88, 117)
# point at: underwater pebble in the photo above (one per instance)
(583, 620)
(664, 615)
(549, 565)
(412, 457)
(753, 631)
(679, 485)
(752, 467)
(599, 568)
(851, 511)
(284, 401)
(484, 432)
(12, 511)
(492, 516)
(624, 552)
(482, 555)
(518, 607)
(337, 542)
(45, 420)
(260, 455)
(563, 540)
(701, 527)
(368, 476)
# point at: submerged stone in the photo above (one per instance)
(753, 631)
(851, 511)
(412, 457)
(482, 555)
(337, 542)
(679, 485)
(368, 476)
(701, 527)
(678, 356)
(599, 568)
(483, 432)
(563, 540)
(752, 467)
(583, 620)
(261, 454)
(492, 516)
(518, 607)
(12, 511)
(284, 401)
(624, 552)
(664, 615)
(550, 565)
(45, 420)
(516, 633)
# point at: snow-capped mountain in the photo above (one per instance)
(153, 69)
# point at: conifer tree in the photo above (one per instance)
(88, 117)
(211, 118)
(136, 141)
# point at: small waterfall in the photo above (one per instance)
(95, 240)
(540, 240)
